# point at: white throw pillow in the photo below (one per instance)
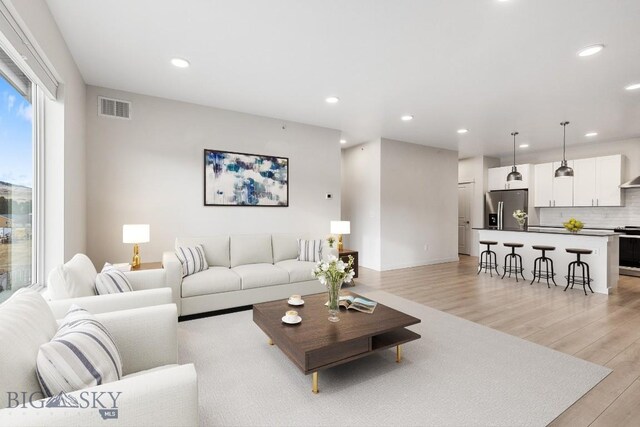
(309, 250)
(192, 259)
(74, 279)
(112, 281)
(81, 354)
(26, 322)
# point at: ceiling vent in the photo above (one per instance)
(116, 108)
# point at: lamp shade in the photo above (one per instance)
(135, 233)
(340, 227)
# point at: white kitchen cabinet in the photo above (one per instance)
(562, 188)
(525, 171)
(608, 179)
(584, 182)
(497, 178)
(543, 185)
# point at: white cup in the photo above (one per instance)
(291, 316)
(296, 299)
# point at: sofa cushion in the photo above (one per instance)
(216, 248)
(285, 246)
(251, 249)
(82, 354)
(26, 322)
(192, 259)
(112, 281)
(310, 250)
(211, 281)
(260, 275)
(74, 279)
(299, 271)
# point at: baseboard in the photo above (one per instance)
(419, 263)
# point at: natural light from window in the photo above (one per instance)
(16, 184)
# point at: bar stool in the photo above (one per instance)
(490, 258)
(571, 273)
(537, 265)
(513, 258)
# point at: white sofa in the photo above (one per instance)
(74, 283)
(155, 390)
(243, 270)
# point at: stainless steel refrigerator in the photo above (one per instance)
(499, 208)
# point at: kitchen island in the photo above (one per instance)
(603, 262)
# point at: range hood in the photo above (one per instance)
(634, 183)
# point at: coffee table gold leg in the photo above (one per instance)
(314, 382)
(270, 341)
(398, 354)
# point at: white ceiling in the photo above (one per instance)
(485, 65)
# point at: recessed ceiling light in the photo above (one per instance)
(634, 86)
(180, 63)
(591, 134)
(462, 131)
(524, 145)
(406, 118)
(591, 50)
(343, 141)
(332, 100)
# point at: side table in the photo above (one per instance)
(344, 256)
(147, 266)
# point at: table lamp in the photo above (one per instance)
(135, 233)
(340, 228)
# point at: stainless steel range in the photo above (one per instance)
(629, 250)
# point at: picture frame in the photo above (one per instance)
(245, 179)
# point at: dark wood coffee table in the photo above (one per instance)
(317, 344)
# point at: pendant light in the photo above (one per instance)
(514, 175)
(564, 171)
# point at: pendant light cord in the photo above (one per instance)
(564, 141)
(514, 147)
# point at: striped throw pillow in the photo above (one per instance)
(112, 281)
(192, 259)
(81, 354)
(309, 250)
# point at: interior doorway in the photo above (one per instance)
(465, 195)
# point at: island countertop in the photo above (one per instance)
(603, 260)
(547, 230)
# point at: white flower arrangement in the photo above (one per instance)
(334, 270)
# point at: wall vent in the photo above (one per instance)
(116, 108)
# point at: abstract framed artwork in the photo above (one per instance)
(243, 179)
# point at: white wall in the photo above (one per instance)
(65, 148)
(419, 205)
(606, 217)
(400, 197)
(150, 170)
(361, 201)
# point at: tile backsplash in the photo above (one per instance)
(629, 214)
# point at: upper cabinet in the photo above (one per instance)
(584, 187)
(497, 178)
(550, 191)
(562, 187)
(608, 180)
(595, 182)
(543, 185)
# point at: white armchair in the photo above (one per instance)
(74, 283)
(154, 390)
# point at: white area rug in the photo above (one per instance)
(458, 374)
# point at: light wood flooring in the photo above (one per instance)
(598, 328)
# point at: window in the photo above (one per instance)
(16, 179)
